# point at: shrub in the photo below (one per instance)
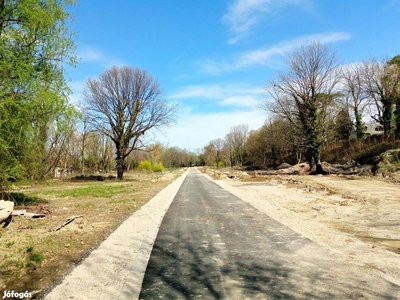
(158, 167)
(145, 165)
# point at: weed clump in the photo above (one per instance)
(148, 166)
(158, 167)
(145, 165)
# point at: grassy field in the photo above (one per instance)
(35, 253)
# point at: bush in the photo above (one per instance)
(158, 167)
(145, 165)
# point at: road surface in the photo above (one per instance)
(212, 245)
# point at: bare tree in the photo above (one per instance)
(85, 132)
(355, 95)
(381, 86)
(304, 93)
(235, 141)
(125, 104)
(215, 151)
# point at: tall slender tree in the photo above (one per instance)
(355, 95)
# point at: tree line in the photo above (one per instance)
(314, 103)
(35, 115)
(38, 124)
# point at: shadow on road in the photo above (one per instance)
(212, 245)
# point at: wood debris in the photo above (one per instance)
(69, 220)
(24, 213)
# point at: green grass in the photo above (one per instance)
(6, 273)
(33, 257)
(98, 191)
(52, 243)
(9, 244)
(36, 257)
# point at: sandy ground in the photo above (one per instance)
(357, 217)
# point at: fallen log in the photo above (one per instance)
(69, 220)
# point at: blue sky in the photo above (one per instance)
(214, 57)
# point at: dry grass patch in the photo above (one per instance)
(34, 254)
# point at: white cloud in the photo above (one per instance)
(194, 131)
(236, 95)
(241, 101)
(265, 56)
(243, 15)
(90, 54)
(196, 91)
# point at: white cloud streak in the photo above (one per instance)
(196, 128)
(94, 55)
(235, 95)
(194, 131)
(265, 56)
(243, 15)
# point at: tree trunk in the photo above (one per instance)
(359, 124)
(388, 114)
(397, 118)
(317, 161)
(318, 169)
(119, 165)
(274, 157)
